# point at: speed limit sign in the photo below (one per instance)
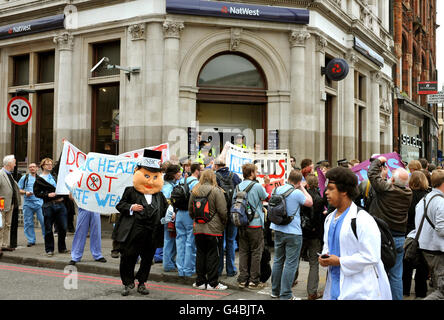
(19, 110)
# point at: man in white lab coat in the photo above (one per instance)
(355, 269)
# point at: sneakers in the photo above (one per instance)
(50, 254)
(273, 296)
(142, 289)
(65, 251)
(242, 284)
(115, 254)
(102, 259)
(72, 263)
(256, 286)
(294, 298)
(125, 291)
(201, 287)
(219, 287)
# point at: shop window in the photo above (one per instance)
(21, 70)
(230, 70)
(111, 50)
(45, 124)
(105, 126)
(46, 67)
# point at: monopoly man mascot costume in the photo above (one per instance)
(139, 230)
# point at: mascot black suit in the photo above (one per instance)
(139, 230)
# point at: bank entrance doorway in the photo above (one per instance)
(232, 101)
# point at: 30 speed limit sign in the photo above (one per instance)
(19, 110)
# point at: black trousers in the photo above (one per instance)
(208, 251)
(141, 245)
(422, 272)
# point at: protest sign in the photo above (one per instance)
(99, 183)
(393, 162)
(71, 159)
(272, 163)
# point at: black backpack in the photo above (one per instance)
(201, 209)
(277, 208)
(227, 185)
(388, 249)
(180, 196)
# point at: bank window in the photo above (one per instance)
(105, 126)
(45, 124)
(230, 70)
(46, 67)
(111, 50)
(21, 70)
(360, 87)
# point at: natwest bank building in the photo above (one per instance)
(177, 67)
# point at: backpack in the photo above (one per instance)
(25, 181)
(241, 213)
(201, 209)
(180, 196)
(388, 249)
(227, 185)
(277, 208)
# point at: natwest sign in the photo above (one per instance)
(33, 26)
(241, 11)
(238, 11)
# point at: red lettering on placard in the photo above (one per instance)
(110, 180)
(79, 183)
(73, 158)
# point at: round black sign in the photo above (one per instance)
(337, 69)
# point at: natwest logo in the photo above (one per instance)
(241, 11)
(19, 29)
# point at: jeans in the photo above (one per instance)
(29, 208)
(87, 221)
(395, 273)
(169, 251)
(230, 242)
(287, 249)
(185, 244)
(55, 213)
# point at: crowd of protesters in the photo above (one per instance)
(338, 229)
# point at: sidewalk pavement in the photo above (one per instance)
(36, 256)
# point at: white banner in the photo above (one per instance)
(272, 163)
(71, 159)
(99, 184)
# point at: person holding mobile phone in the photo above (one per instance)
(355, 268)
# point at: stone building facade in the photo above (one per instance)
(230, 70)
(415, 126)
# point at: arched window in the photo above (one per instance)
(234, 77)
(230, 70)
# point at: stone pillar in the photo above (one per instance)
(132, 124)
(63, 108)
(297, 119)
(154, 84)
(374, 133)
(348, 111)
(171, 110)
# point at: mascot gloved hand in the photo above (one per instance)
(139, 230)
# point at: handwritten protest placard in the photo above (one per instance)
(71, 159)
(272, 163)
(393, 162)
(99, 183)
